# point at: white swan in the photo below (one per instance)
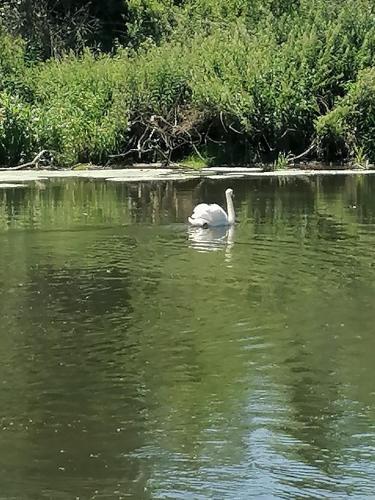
(212, 215)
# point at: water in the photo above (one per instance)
(140, 359)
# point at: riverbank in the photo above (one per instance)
(22, 178)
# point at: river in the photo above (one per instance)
(143, 359)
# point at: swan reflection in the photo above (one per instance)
(212, 239)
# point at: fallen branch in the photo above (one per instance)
(308, 150)
(222, 122)
(157, 136)
(29, 164)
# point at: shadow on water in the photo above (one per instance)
(146, 359)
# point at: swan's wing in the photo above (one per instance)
(212, 215)
(200, 210)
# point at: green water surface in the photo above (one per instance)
(140, 359)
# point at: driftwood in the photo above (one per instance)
(29, 164)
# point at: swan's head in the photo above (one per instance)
(229, 192)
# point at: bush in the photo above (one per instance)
(150, 20)
(159, 79)
(350, 126)
(81, 112)
(15, 113)
(15, 129)
(12, 62)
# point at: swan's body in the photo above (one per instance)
(205, 215)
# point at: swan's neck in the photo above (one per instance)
(230, 208)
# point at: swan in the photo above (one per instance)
(213, 215)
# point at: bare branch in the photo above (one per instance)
(308, 150)
(235, 130)
(222, 122)
(33, 163)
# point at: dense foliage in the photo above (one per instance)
(227, 80)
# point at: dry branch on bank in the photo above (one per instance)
(304, 153)
(31, 164)
(155, 137)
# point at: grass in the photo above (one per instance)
(195, 162)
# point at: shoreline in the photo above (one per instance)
(151, 174)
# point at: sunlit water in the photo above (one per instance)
(140, 359)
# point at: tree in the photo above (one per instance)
(51, 27)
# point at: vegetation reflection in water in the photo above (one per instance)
(140, 358)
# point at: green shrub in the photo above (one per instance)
(159, 79)
(149, 20)
(351, 124)
(12, 63)
(82, 114)
(15, 129)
